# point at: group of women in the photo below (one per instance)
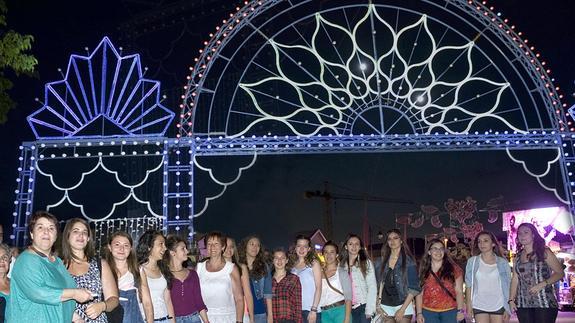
(152, 282)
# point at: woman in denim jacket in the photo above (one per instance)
(251, 253)
(399, 278)
(487, 277)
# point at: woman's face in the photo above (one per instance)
(158, 248)
(484, 243)
(280, 260)
(180, 252)
(302, 248)
(253, 247)
(230, 249)
(353, 246)
(437, 251)
(330, 255)
(79, 236)
(524, 235)
(44, 234)
(394, 241)
(214, 247)
(120, 248)
(4, 261)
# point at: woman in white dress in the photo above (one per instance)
(220, 283)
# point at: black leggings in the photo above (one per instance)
(537, 315)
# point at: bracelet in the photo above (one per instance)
(420, 313)
(511, 300)
(313, 309)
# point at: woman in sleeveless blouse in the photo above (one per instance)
(220, 283)
(535, 270)
(121, 258)
(78, 255)
(336, 292)
(150, 251)
(308, 269)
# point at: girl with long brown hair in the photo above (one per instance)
(399, 283)
(133, 290)
(307, 268)
(78, 254)
(442, 283)
(355, 261)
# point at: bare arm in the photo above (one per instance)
(555, 265)
(146, 298)
(419, 307)
(347, 317)
(316, 268)
(110, 294)
(469, 301)
(248, 297)
(459, 297)
(513, 292)
(204, 316)
(169, 305)
(270, 311)
(238, 295)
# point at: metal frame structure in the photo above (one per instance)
(205, 130)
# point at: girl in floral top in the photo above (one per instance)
(442, 284)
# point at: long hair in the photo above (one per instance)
(403, 251)
(66, 250)
(131, 260)
(172, 241)
(447, 269)
(145, 245)
(496, 247)
(362, 256)
(235, 257)
(538, 243)
(311, 255)
(259, 266)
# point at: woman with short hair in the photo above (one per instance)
(41, 289)
(220, 283)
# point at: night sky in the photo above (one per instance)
(269, 198)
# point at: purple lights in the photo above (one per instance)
(103, 94)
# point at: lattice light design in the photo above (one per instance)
(337, 89)
(103, 94)
(100, 165)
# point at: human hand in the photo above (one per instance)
(535, 289)
(82, 295)
(94, 310)
(513, 307)
(312, 316)
(399, 314)
(77, 319)
(420, 318)
(506, 317)
(460, 316)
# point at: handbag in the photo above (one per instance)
(446, 291)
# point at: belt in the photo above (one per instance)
(354, 306)
(167, 317)
(336, 304)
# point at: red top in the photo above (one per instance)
(435, 298)
(287, 299)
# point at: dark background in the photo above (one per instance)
(268, 199)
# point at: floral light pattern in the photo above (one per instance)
(333, 86)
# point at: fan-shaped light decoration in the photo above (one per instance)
(436, 222)
(418, 222)
(103, 94)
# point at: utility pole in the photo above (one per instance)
(328, 197)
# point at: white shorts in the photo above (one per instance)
(390, 310)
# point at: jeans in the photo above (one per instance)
(440, 317)
(129, 302)
(358, 315)
(304, 315)
(260, 318)
(190, 318)
(536, 315)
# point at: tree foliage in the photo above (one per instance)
(13, 58)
